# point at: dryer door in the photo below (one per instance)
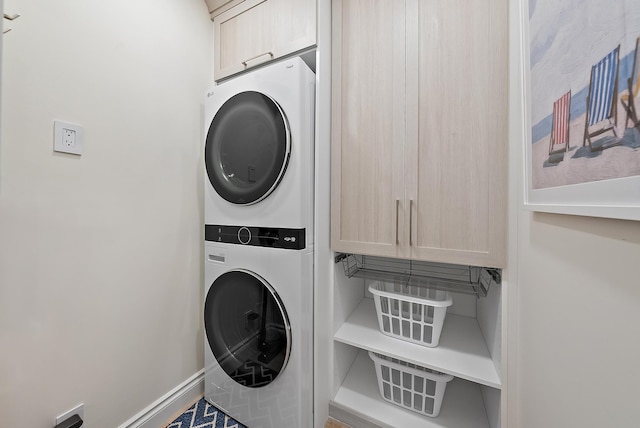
(247, 328)
(247, 148)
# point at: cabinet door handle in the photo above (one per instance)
(397, 207)
(268, 55)
(10, 18)
(410, 222)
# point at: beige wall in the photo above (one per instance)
(579, 322)
(100, 255)
(574, 324)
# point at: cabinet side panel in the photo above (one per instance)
(491, 399)
(489, 315)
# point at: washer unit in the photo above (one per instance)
(259, 148)
(258, 318)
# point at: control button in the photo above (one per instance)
(244, 235)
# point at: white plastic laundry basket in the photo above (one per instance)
(414, 314)
(407, 385)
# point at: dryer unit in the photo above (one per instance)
(259, 148)
(258, 317)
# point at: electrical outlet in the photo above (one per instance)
(79, 410)
(68, 138)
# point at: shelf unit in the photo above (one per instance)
(462, 351)
(379, 69)
(469, 349)
(462, 406)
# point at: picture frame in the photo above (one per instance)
(604, 195)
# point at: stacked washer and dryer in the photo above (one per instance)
(258, 210)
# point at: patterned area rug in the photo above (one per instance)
(204, 415)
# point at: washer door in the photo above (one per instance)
(247, 328)
(247, 148)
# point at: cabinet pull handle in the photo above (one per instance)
(10, 18)
(268, 55)
(397, 206)
(410, 222)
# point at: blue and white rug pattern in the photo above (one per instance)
(204, 415)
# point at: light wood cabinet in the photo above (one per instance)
(258, 31)
(368, 126)
(419, 129)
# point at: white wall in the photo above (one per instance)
(577, 310)
(579, 322)
(100, 255)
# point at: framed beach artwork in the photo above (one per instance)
(582, 103)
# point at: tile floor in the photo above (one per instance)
(204, 415)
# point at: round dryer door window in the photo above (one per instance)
(247, 328)
(247, 148)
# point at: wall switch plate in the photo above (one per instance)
(79, 410)
(68, 138)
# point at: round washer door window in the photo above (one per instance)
(247, 328)
(247, 148)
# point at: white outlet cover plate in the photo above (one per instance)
(79, 409)
(62, 142)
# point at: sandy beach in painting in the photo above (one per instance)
(611, 157)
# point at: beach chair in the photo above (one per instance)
(633, 83)
(559, 141)
(602, 99)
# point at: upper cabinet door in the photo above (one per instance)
(368, 131)
(258, 31)
(293, 25)
(419, 129)
(241, 38)
(457, 130)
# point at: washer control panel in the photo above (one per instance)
(275, 237)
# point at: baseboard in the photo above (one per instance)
(158, 413)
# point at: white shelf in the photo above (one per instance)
(462, 406)
(462, 351)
